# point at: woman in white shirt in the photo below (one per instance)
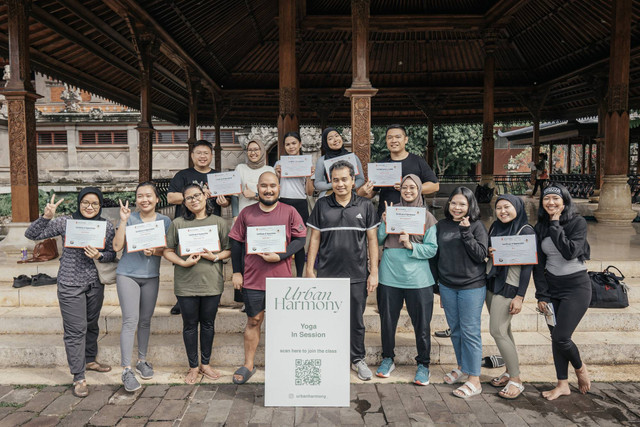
(250, 172)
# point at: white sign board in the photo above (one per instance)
(307, 342)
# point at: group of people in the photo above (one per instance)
(452, 258)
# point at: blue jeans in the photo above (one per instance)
(463, 309)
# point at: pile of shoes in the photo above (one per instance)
(39, 279)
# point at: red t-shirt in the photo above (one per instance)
(256, 270)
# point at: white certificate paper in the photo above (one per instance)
(385, 174)
(514, 250)
(351, 158)
(148, 235)
(224, 183)
(81, 233)
(405, 218)
(295, 166)
(195, 240)
(272, 238)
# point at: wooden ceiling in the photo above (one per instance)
(426, 56)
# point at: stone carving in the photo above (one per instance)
(311, 138)
(71, 99)
(6, 74)
(96, 114)
(268, 136)
(103, 176)
(4, 113)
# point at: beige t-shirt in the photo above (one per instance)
(204, 278)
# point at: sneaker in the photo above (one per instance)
(144, 369)
(443, 334)
(386, 367)
(364, 373)
(21, 281)
(422, 375)
(129, 380)
(175, 309)
(42, 279)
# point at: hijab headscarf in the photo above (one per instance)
(393, 240)
(511, 228)
(263, 155)
(89, 190)
(328, 152)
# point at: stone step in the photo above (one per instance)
(534, 348)
(47, 320)
(46, 296)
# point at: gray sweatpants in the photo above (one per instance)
(500, 328)
(137, 301)
(80, 308)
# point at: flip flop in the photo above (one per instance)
(209, 376)
(461, 377)
(502, 392)
(468, 392)
(244, 373)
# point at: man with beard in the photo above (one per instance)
(257, 267)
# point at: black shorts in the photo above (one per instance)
(254, 301)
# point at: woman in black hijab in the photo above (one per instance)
(80, 293)
(333, 146)
(506, 287)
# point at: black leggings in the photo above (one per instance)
(303, 209)
(570, 296)
(540, 183)
(196, 310)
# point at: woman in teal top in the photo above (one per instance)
(405, 277)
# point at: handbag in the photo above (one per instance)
(106, 271)
(43, 251)
(608, 290)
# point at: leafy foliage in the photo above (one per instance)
(70, 203)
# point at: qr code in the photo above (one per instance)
(308, 371)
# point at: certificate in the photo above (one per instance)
(81, 233)
(272, 238)
(351, 158)
(514, 250)
(295, 166)
(224, 183)
(405, 218)
(195, 240)
(385, 174)
(148, 235)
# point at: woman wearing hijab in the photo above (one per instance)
(405, 277)
(562, 281)
(249, 173)
(333, 146)
(80, 293)
(506, 287)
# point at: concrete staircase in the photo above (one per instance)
(31, 327)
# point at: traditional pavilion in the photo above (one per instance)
(352, 61)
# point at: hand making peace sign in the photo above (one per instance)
(125, 212)
(50, 209)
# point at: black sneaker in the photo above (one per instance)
(42, 279)
(443, 334)
(175, 309)
(21, 281)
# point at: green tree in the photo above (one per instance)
(417, 141)
(458, 148)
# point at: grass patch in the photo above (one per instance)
(39, 387)
(11, 405)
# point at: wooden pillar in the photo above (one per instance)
(583, 169)
(21, 98)
(535, 146)
(361, 90)
(288, 118)
(430, 145)
(615, 196)
(146, 44)
(217, 148)
(487, 107)
(193, 87)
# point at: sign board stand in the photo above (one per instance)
(307, 342)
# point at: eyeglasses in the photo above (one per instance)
(94, 205)
(190, 199)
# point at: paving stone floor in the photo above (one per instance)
(372, 405)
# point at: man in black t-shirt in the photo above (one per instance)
(411, 164)
(202, 155)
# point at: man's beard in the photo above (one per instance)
(268, 202)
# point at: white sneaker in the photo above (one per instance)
(364, 373)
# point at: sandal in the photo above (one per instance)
(500, 381)
(98, 367)
(467, 392)
(244, 373)
(215, 376)
(461, 377)
(192, 376)
(503, 393)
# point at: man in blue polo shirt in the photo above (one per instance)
(343, 232)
